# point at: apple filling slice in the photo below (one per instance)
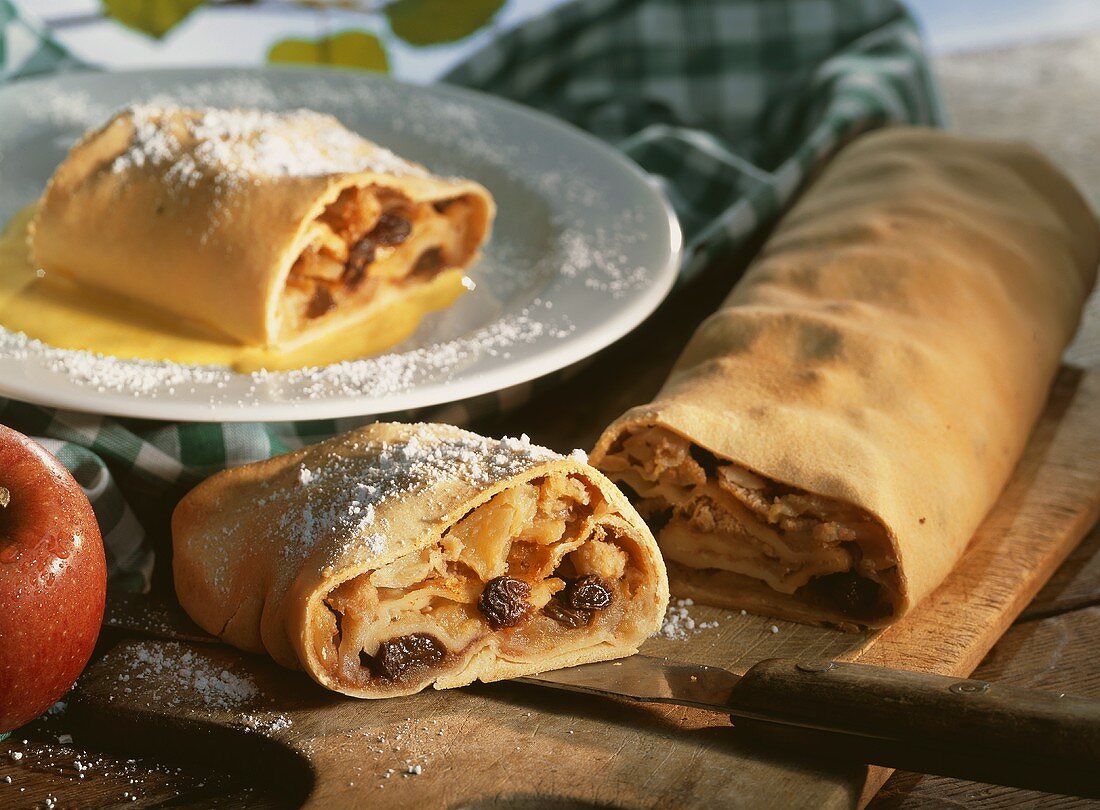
(541, 570)
(759, 541)
(368, 246)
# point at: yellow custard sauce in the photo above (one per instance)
(69, 316)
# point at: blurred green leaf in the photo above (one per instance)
(349, 49)
(433, 22)
(153, 17)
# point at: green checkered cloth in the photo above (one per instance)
(27, 48)
(729, 104)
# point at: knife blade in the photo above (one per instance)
(648, 680)
(957, 727)
(968, 729)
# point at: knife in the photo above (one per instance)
(957, 727)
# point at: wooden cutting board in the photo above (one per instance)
(516, 745)
(513, 745)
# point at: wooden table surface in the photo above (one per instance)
(1053, 645)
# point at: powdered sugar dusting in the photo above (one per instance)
(233, 150)
(380, 377)
(679, 623)
(233, 147)
(178, 675)
(351, 480)
(336, 514)
(265, 724)
(604, 267)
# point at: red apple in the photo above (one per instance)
(53, 579)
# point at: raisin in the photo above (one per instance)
(504, 602)
(360, 255)
(587, 593)
(856, 595)
(320, 303)
(565, 615)
(399, 657)
(629, 491)
(391, 230)
(705, 459)
(429, 262)
(658, 520)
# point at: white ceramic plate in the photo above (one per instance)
(583, 249)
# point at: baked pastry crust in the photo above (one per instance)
(831, 438)
(399, 556)
(273, 229)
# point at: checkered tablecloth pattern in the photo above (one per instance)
(729, 104)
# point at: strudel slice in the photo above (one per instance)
(401, 556)
(273, 229)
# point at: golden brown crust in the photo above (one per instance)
(893, 345)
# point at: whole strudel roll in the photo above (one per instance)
(831, 438)
(399, 556)
(271, 228)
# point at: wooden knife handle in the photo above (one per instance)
(926, 723)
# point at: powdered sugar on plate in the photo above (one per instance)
(378, 377)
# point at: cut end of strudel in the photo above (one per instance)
(401, 556)
(274, 229)
(738, 539)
